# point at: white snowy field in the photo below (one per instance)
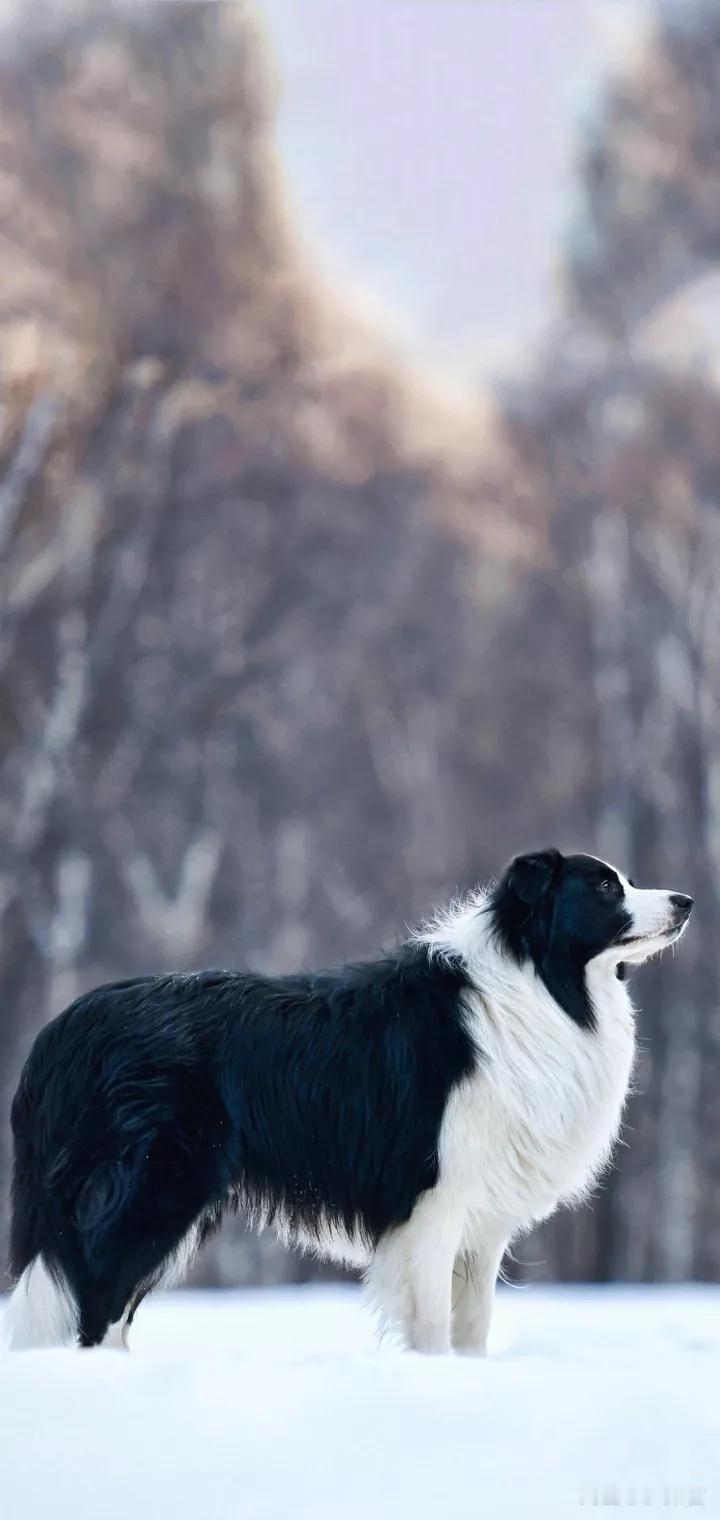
(278, 1404)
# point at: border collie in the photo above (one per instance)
(408, 1116)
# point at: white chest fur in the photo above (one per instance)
(536, 1122)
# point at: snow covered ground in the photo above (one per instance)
(241, 1406)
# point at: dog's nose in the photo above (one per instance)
(682, 905)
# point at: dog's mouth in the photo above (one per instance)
(668, 935)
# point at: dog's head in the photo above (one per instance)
(560, 912)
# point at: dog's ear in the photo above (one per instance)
(529, 877)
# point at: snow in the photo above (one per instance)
(278, 1404)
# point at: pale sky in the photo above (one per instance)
(428, 145)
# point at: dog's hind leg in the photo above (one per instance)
(170, 1272)
(137, 1227)
(410, 1276)
(115, 1339)
(86, 1249)
(108, 1301)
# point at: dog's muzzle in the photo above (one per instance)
(656, 916)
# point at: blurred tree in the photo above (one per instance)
(648, 218)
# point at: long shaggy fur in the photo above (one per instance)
(408, 1115)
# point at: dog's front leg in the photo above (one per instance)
(474, 1281)
(428, 1327)
(410, 1276)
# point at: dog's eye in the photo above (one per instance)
(608, 886)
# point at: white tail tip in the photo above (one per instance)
(40, 1312)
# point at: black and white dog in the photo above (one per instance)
(409, 1116)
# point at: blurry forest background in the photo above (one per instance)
(291, 643)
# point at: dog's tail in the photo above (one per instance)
(41, 1311)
